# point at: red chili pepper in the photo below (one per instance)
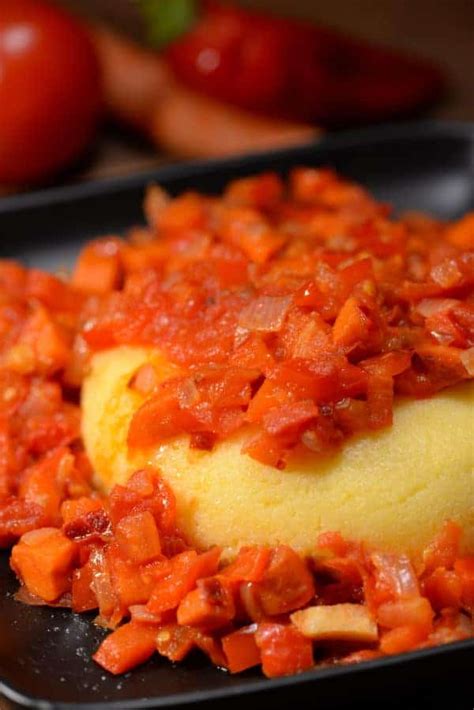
(291, 68)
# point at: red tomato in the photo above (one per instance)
(49, 90)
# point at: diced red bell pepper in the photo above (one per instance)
(128, 646)
(402, 638)
(83, 597)
(210, 606)
(249, 565)
(186, 569)
(241, 650)
(284, 649)
(352, 325)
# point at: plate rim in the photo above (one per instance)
(409, 130)
(257, 686)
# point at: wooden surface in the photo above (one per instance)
(442, 30)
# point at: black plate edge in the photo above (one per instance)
(195, 168)
(258, 686)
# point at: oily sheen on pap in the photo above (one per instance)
(392, 488)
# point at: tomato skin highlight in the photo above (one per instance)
(50, 96)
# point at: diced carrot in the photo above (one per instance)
(13, 277)
(42, 346)
(284, 649)
(261, 191)
(241, 649)
(53, 293)
(209, 606)
(127, 647)
(461, 233)
(188, 211)
(71, 509)
(43, 560)
(137, 535)
(98, 268)
(402, 638)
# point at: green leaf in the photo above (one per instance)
(166, 20)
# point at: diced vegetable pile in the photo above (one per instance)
(124, 557)
(300, 309)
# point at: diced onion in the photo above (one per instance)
(431, 306)
(467, 359)
(266, 313)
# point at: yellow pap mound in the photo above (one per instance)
(391, 488)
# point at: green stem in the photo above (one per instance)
(165, 20)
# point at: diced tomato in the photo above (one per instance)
(286, 583)
(98, 268)
(443, 588)
(145, 490)
(137, 535)
(415, 611)
(284, 650)
(444, 549)
(41, 483)
(18, 517)
(175, 642)
(464, 568)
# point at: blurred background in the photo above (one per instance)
(429, 75)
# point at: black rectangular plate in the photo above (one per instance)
(45, 653)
